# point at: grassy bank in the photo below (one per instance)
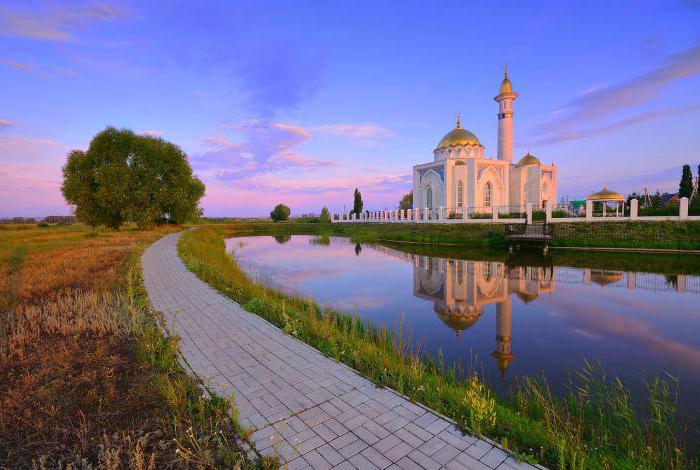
(87, 377)
(593, 426)
(668, 235)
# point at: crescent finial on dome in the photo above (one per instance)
(459, 124)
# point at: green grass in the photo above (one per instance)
(664, 235)
(85, 362)
(593, 426)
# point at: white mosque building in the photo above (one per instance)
(461, 176)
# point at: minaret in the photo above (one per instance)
(502, 353)
(505, 99)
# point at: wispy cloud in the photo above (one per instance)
(601, 103)
(362, 131)
(567, 133)
(22, 67)
(151, 133)
(266, 147)
(55, 23)
(6, 123)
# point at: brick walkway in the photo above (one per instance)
(303, 406)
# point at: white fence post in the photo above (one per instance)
(440, 214)
(528, 213)
(548, 212)
(683, 209)
(634, 209)
(494, 213)
(465, 213)
(425, 214)
(589, 210)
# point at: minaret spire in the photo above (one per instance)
(505, 98)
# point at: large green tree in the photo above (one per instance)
(685, 189)
(357, 202)
(125, 177)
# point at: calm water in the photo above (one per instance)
(506, 319)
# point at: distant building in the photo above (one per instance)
(461, 176)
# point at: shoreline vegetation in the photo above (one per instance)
(88, 378)
(593, 425)
(661, 235)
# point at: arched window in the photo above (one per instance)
(460, 193)
(488, 195)
(429, 198)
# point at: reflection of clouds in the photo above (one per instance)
(361, 302)
(604, 324)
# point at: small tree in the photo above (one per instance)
(406, 201)
(280, 213)
(632, 195)
(685, 189)
(656, 200)
(357, 203)
(325, 217)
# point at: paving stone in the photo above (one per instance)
(423, 460)
(494, 457)
(479, 449)
(464, 460)
(294, 399)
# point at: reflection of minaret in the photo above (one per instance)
(502, 353)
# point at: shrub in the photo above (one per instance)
(325, 217)
(280, 213)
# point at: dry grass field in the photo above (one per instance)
(87, 378)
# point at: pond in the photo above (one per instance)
(504, 316)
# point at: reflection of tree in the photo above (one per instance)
(672, 280)
(358, 249)
(320, 240)
(282, 239)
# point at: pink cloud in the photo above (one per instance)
(266, 148)
(353, 130)
(151, 133)
(603, 102)
(58, 23)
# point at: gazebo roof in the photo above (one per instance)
(605, 195)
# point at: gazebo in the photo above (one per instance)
(605, 196)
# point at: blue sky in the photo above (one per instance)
(302, 101)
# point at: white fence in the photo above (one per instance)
(551, 214)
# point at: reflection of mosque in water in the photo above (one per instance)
(460, 289)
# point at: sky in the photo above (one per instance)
(300, 102)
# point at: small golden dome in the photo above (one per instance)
(603, 278)
(506, 86)
(529, 159)
(458, 136)
(605, 195)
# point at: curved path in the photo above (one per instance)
(303, 406)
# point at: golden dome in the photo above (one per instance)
(506, 86)
(605, 195)
(603, 278)
(458, 136)
(458, 317)
(529, 160)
